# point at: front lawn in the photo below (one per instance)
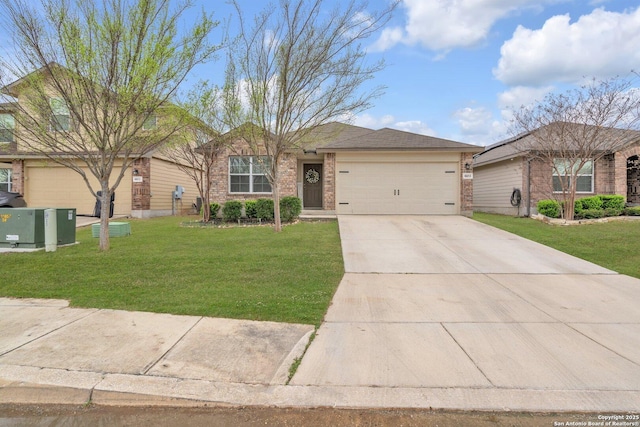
(614, 245)
(241, 272)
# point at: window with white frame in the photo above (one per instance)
(247, 174)
(564, 170)
(5, 179)
(60, 116)
(7, 128)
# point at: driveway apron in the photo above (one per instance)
(447, 302)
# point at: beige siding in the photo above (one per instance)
(50, 185)
(493, 185)
(164, 178)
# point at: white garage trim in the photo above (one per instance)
(398, 183)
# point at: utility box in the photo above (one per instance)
(66, 225)
(21, 228)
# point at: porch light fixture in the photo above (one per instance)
(135, 172)
(467, 166)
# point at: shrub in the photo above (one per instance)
(590, 203)
(264, 209)
(290, 208)
(213, 210)
(590, 213)
(250, 208)
(612, 212)
(550, 208)
(632, 211)
(613, 201)
(232, 210)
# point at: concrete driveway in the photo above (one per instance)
(447, 303)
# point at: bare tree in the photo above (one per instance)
(203, 141)
(571, 131)
(296, 67)
(96, 80)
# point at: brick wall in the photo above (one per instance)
(466, 188)
(141, 191)
(605, 175)
(17, 176)
(220, 175)
(620, 167)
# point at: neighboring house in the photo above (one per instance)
(146, 189)
(353, 170)
(510, 165)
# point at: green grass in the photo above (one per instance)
(614, 245)
(240, 272)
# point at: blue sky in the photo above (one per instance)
(455, 68)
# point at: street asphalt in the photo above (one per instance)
(432, 312)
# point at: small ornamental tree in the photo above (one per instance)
(296, 67)
(96, 80)
(569, 132)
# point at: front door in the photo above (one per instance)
(312, 186)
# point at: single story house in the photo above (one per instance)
(354, 170)
(511, 165)
(146, 190)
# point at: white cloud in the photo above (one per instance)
(447, 24)
(601, 44)
(414, 126)
(389, 121)
(479, 126)
(368, 121)
(389, 38)
(522, 96)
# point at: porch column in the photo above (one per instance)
(329, 182)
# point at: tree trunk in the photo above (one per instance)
(104, 216)
(276, 207)
(204, 194)
(571, 200)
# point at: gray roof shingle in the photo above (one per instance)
(395, 140)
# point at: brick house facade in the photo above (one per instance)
(325, 154)
(500, 169)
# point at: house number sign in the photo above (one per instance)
(312, 176)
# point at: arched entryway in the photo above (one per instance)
(633, 180)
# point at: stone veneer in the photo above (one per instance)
(329, 182)
(466, 186)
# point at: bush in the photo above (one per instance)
(590, 214)
(613, 201)
(250, 208)
(232, 210)
(632, 211)
(612, 212)
(264, 209)
(550, 208)
(290, 208)
(213, 210)
(590, 203)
